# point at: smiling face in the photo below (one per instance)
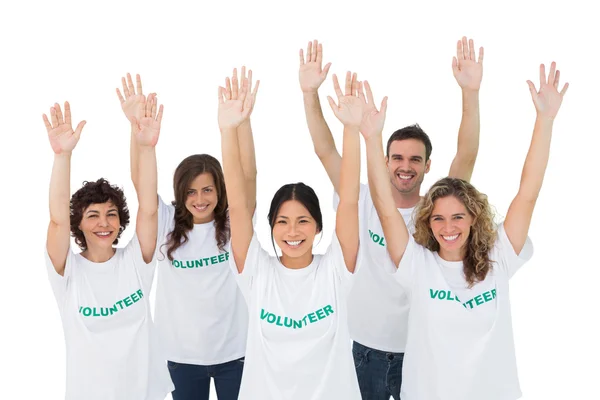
(100, 225)
(294, 231)
(202, 198)
(406, 165)
(451, 225)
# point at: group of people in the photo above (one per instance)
(410, 300)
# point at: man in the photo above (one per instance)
(378, 309)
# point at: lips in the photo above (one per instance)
(294, 244)
(103, 235)
(201, 208)
(450, 238)
(405, 177)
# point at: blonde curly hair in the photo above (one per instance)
(476, 263)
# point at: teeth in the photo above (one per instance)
(103, 233)
(405, 177)
(201, 208)
(450, 238)
(294, 243)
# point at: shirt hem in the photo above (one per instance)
(367, 343)
(203, 362)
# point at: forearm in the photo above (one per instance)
(60, 190)
(536, 161)
(319, 130)
(379, 181)
(350, 171)
(468, 137)
(133, 158)
(248, 161)
(147, 185)
(232, 170)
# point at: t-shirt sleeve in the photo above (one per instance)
(362, 197)
(257, 259)
(133, 255)
(405, 274)
(60, 284)
(504, 255)
(166, 215)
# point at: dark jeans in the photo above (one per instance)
(192, 382)
(379, 372)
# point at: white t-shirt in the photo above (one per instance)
(112, 346)
(460, 341)
(200, 312)
(298, 340)
(377, 307)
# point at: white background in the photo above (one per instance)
(78, 51)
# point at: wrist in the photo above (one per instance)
(63, 155)
(312, 93)
(545, 119)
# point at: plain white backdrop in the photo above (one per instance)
(78, 51)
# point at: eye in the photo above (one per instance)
(458, 217)
(190, 192)
(304, 221)
(112, 215)
(281, 221)
(436, 219)
(93, 216)
(208, 190)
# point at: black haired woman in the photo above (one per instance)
(102, 292)
(298, 342)
(200, 314)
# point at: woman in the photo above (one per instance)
(298, 341)
(457, 268)
(102, 292)
(200, 314)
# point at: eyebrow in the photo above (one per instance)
(302, 216)
(400, 155)
(454, 215)
(98, 212)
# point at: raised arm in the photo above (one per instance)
(146, 136)
(133, 104)
(63, 140)
(232, 113)
(245, 138)
(547, 102)
(468, 72)
(311, 78)
(394, 228)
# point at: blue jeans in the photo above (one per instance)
(379, 372)
(192, 382)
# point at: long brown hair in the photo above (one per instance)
(482, 237)
(185, 174)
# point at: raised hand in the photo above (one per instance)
(311, 73)
(235, 86)
(60, 132)
(373, 119)
(234, 111)
(466, 68)
(148, 127)
(548, 99)
(350, 107)
(133, 104)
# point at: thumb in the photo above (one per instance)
(532, 89)
(383, 109)
(325, 71)
(455, 69)
(334, 107)
(78, 130)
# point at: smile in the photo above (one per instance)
(103, 234)
(201, 208)
(450, 238)
(293, 243)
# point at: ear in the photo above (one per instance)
(427, 165)
(387, 161)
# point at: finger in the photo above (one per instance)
(153, 111)
(542, 75)
(354, 78)
(472, 50)
(325, 71)
(59, 114)
(244, 91)
(227, 88)
(315, 45)
(309, 52)
(243, 74)
(319, 53)
(334, 106)
(234, 85)
(455, 69)
(130, 84)
(355, 86)
(67, 113)
(160, 114)
(250, 80)
(564, 90)
(221, 95)
(46, 122)
(348, 88)
(465, 48)
(125, 88)
(556, 79)
(383, 108)
(369, 93)
(361, 91)
(148, 106)
(78, 130)
(121, 99)
(459, 53)
(301, 57)
(255, 91)
(53, 117)
(138, 81)
(552, 73)
(336, 87)
(480, 55)
(532, 89)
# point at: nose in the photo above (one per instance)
(292, 229)
(103, 221)
(449, 225)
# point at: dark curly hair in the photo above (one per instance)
(185, 173)
(97, 192)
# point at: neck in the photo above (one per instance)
(204, 220)
(456, 255)
(98, 255)
(405, 200)
(297, 262)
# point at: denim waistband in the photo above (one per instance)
(376, 354)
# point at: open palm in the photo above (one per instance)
(236, 106)
(548, 99)
(133, 104)
(350, 107)
(149, 125)
(60, 132)
(312, 75)
(467, 70)
(373, 119)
